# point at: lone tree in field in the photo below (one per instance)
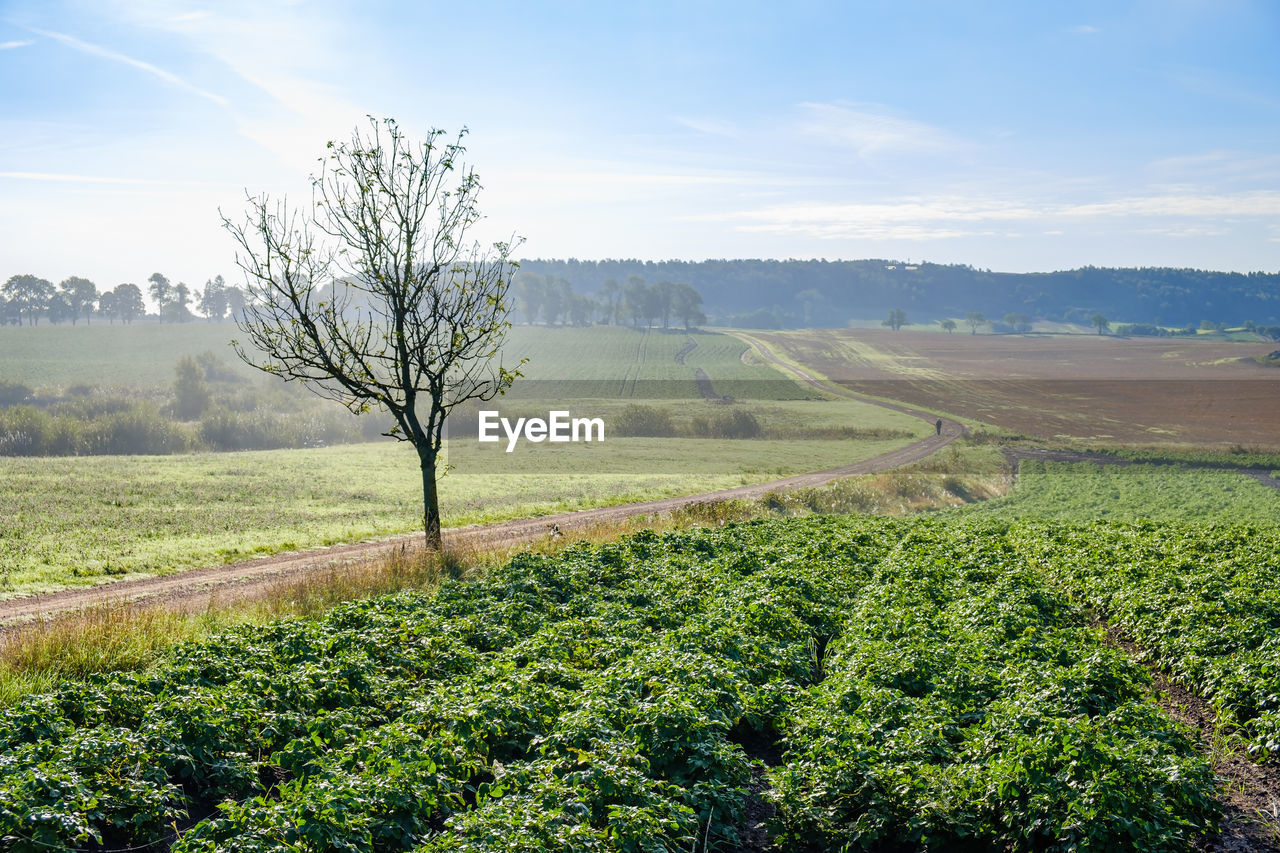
(896, 320)
(373, 295)
(1100, 322)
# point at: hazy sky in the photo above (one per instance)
(1009, 135)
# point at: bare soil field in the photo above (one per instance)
(1102, 389)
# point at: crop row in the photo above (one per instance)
(965, 702)
(1202, 601)
(919, 681)
(1235, 459)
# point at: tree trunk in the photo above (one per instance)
(430, 501)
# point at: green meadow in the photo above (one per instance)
(71, 521)
(80, 521)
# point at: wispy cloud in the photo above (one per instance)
(105, 53)
(1265, 203)
(709, 126)
(1083, 30)
(872, 133)
(10, 45)
(943, 217)
(1216, 167)
(620, 177)
(285, 53)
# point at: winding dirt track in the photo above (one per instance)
(242, 580)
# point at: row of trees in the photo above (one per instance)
(28, 298)
(1018, 322)
(975, 320)
(805, 293)
(552, 299)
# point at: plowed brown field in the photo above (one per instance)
(1152, 391)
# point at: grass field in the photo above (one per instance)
(138, 356)
(143, 355)
(80, 521)
(73, 521)
(624, 353)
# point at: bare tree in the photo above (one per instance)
(374, 294)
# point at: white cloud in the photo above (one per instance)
(96, 50)
(1192, 230)
(1084, 30)
(871, 133)
(10, 45)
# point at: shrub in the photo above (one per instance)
(191, 394)
(736, 424)
(223, 429)
(13, 393)
(646, 421)
(138, 430)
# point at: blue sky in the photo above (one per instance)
(1007, 135)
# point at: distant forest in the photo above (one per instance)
(758, 294)
(794, 294)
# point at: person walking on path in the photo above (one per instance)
(938, 426)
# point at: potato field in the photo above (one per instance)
(837, 683)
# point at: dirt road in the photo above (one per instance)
(240, 579)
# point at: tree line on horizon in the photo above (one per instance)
(26, 299)
(552, 299)
(1018, 323)
(551, 296)
(751, 293)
